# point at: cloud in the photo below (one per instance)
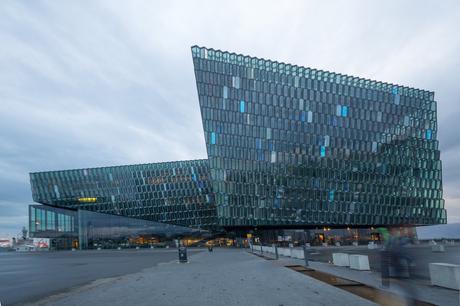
(85, 84)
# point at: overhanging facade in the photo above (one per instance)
(290, 146)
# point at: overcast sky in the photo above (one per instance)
(100, 83)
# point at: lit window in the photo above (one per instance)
(309, 116)
(338, 111)
(326, 140)
(225, 92)
(344, 111)
(213, 138)
(241, 106)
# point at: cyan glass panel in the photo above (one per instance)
(322, 151)
(241, 106)
(213, 138)
(428, 134)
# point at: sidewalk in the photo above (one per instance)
(223, 277)
(423, 289)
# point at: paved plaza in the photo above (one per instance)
(223, 277)
(34, 275)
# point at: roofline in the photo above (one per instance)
(121, 166)
(314, 69)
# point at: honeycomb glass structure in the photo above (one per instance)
(177, 193)
(294, 146)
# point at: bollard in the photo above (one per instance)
(276, 251)
(305, 256)
(182, 254)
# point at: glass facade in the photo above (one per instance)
(288, 146)
(52, 222)
(87, 229)
(173, 192)
(294, 146)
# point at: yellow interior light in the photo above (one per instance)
(87, 200)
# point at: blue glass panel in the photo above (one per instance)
(344, 111)
(302, 116)
(260, 155)
(395, 90)
(397, 99)
(428, 134)
(323, 151)
(213, 138)
(241, 106)
(258, 143)
(331, 195)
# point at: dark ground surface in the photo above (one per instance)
(27, 277)
(420, 254)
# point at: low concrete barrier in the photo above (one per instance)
(359, 262)
(445, 275)
(341, 259)
(297, 254)
(372, 246)
(439, 248)
(284, 252)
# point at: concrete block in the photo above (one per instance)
(355, 243)
(439, 248)
(341, 259)
(284, 252)
(297, 253)
(359, 262)
(324, 244)
(445, 275)
(372, 246)
(337, 244)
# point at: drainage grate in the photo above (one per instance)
(378, 296)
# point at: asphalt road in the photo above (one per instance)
(421, 255)
(27, 277)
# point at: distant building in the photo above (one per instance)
(288, 147)
(439, 232)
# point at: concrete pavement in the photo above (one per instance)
(33, 275)
(223, 277)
